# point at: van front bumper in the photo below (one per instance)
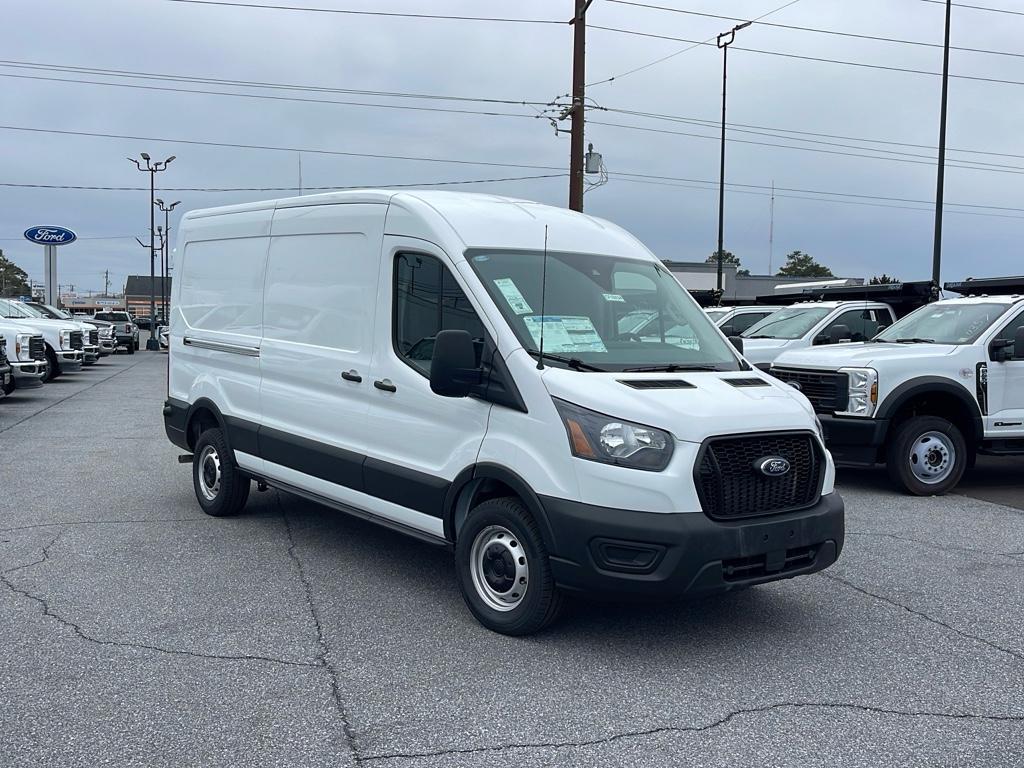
(623, 553)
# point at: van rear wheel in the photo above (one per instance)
(927, 456)
(220, 488)
(503, 569)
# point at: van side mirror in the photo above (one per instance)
(453, 369)
(737, 341)
(839, 334)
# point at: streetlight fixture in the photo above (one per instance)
(152, 169)
(724, 41)
(165, 257)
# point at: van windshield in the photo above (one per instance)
(788, 323)
(603, 312)
(943, 324)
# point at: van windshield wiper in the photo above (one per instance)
(915, 340)
(672, 368)
(572, 362)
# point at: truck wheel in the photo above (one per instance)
(135, 344)
(9, 387)
(927, 456)
(503, 570)
(220, 488)
(52, 371)
(130, 346)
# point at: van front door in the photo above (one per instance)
(1006, 390)
(417, 442)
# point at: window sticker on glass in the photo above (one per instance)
(512, 295)
(613, 297)
(564, 333)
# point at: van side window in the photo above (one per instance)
(427, 300)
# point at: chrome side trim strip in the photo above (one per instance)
(222, 346)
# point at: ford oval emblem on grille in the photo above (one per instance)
(772, 466)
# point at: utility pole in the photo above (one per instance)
(576, 140)
(724, 41)
(152, 343)
(106, 282)
(940, 180)
(771, 230)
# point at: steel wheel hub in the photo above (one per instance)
(499, 568)
(932, 457)
(209, 473)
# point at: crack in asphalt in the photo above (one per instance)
(323, 656)
(77, 630)
(74, 394)
(722, 721)
(932, 544)
(109, 522)
(977, 638)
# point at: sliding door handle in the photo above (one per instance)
(386, 385)
(352, 375)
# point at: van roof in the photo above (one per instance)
(477, 219)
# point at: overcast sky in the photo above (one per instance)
(529, 62)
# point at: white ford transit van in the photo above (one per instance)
(422, 360)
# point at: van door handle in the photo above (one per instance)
(352, 375)
(386, 385)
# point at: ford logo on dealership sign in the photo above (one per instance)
(50, 235)
(773, 466)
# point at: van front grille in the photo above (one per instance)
(731, 484)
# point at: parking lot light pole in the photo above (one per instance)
(724, 41)
(152, 169)
(165, 260)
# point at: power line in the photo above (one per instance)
(453, 161)
(977, 7)
(862, 65)
(817, 30)
(306, 9)
(677, 53)
(282, 189)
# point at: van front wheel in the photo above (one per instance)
(220, 488)
(503, 569)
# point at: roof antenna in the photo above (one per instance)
(543, 297)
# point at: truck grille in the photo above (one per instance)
(828, 392)
(76, 340)
(731, 485)
(3, 351)
(37, 348)
(94, 337)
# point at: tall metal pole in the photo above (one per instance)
(724, 41)
(721, 171)
(576, 148)
(152, 343)
(940, 177)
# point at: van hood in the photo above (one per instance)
(859, 354)
(712, 406)
(765, 350)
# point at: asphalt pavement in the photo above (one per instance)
(136, 631)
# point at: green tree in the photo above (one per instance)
(728, 257)
(882, 279)
(800, 264)
(13, 279)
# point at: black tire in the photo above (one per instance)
(541, 602)
(135, 345)
(9, 386)
(130, 347)
(223, 496)
(52, 371)
(926, 445)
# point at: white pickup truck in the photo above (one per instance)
(26, 352)
(930, 392)
(63, 339)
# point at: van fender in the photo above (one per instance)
(464, 488)
(932, 384)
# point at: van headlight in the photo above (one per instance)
(597, 437)
(862, 391)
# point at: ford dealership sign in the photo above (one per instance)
(50, 235)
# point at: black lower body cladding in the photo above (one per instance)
(625, 553)
(852, 440)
